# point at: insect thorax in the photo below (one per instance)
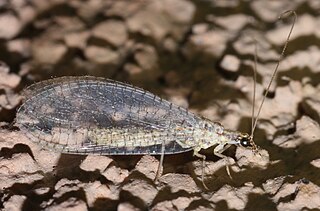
(209, 134)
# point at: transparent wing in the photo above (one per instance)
(78, 114)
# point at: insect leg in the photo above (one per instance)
(161, 161)
(218, 152)
(203, 157)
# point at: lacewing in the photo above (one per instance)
(90, 115)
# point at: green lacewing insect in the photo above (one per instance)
(90, 115)
(95, 115)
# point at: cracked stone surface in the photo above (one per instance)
(198, 54)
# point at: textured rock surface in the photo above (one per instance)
(198, 54)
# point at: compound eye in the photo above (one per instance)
(245, 142)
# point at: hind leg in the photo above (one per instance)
(158, 174)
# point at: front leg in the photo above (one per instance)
(218, 152)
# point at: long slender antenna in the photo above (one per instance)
(254, 84)
(289, 12)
